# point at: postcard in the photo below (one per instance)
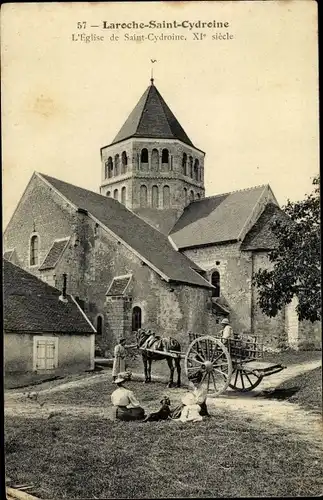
(161, 250)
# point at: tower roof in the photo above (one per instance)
(152, 118)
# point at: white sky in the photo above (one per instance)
(250, 103)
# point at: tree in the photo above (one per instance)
(295, 261)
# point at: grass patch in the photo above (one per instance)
(291, 357)
(221, 457)
(226, 456)
(309, 385)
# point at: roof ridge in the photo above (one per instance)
(162, 102)
(230, 192)
(164, 106)
(143, 108)
(75, 185)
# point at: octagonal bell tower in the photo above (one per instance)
(152, 166)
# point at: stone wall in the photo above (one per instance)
(150, 174)
(235, 270)
(271, 331)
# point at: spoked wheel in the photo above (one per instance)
(209, 356)
(244, 380)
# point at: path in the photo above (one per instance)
(290, 416)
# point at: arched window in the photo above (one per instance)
(154, 160)
(198, 196)
(196, 170)
(99, 324)
(165, 156)
(184, 163)
(123, 195)
(144, 156)
(34, 250)
(154, 197)
(166, 196)
(191, 195)
(136, 318)
(215, 281)
(185, 196)
(143, 196)
(115, 194)
(124, 162)
(191, 167)
(116, 164)
(110, 167)
(108, 193)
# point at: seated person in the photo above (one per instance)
(197, 396)
(126, 404)
(191, 410)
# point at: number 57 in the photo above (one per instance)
(81, 25)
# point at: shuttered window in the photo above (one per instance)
(45, 353)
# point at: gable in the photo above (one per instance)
(261, 236)
(41, 211)
(219, 219)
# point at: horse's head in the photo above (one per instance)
(165, 401)
(141, 336)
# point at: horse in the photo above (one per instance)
(155, 343)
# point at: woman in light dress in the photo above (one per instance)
(119, 362)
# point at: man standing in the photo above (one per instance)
(119, 362)
(227, 332)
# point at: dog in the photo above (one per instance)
(163, 413)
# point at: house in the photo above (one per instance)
(45, 330)
(150, 249)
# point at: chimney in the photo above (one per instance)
(63, 297)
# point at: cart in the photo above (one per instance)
(234, 363)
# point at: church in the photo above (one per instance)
(149, 249)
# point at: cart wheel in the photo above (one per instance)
(209, 355)
(244, 380)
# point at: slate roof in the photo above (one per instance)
(148, 242)
(30, 305)
(53, 255)
(118, 285)
(216, 219)
(261, 236)
(218, 306)
(152, 118)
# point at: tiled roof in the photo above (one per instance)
(152, 118)
(54, 254)
(261, 236)
(8, 255)
(30, 305)
(215, 219)
(118, 285)
(146, 241)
